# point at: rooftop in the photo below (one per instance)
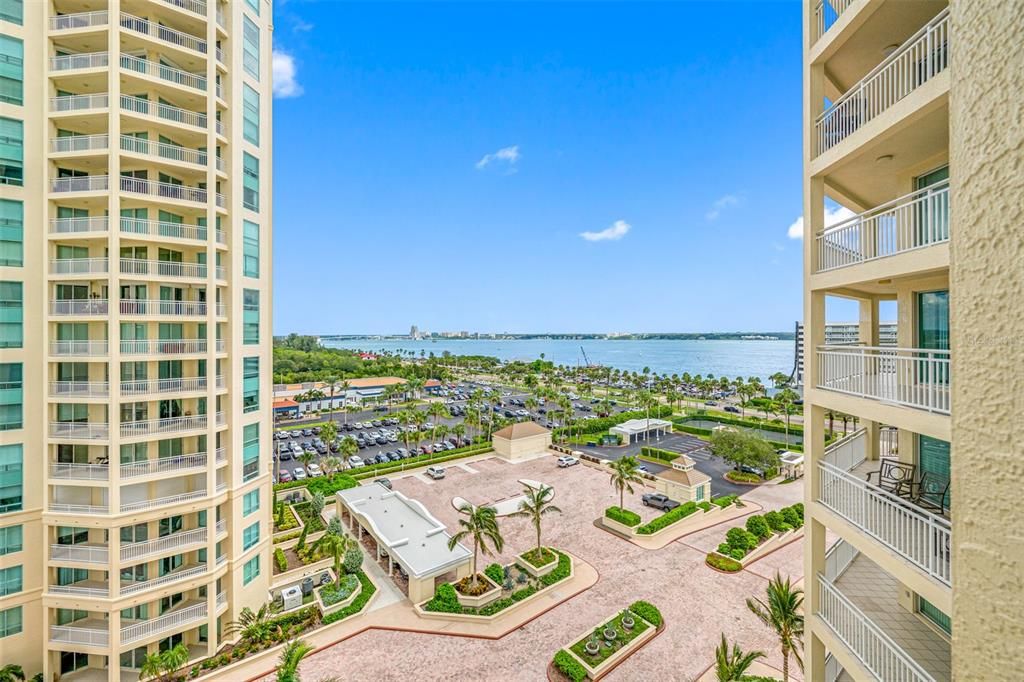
(641, 425)
(521, 430)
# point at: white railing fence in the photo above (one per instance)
(912, 377)
(846, 453)
(826, 12)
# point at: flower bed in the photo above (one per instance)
(477, 594)
(761, 532)
(335, 592)
(743, 478)
(596, 652)
(535, 565)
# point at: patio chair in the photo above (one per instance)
(932, 492)
(895, 476)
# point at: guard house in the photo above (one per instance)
(636, 430)
(403, 529)
(683, 482)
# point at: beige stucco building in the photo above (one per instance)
(135, 329)
(521, 440)
(912, 122)
(682, 482)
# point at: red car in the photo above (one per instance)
(284, 476)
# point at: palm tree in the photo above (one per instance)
(331, 380)
(438, 411)
(162, 664)
(256, 628)
(731, 666)
(459, 430)
(348, 447)
(783, 613)
(333, 545)
(535, 504)
(330, 465)
(624, 474)
(306, 457)
(786, 397)
(12, 673)
(328, 432)
(288, 665)
(481, 525)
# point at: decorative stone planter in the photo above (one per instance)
(597, 670)
(339, 605)
(533, 570)
(493, 592)
(617, 527)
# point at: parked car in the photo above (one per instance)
(567, 461)
(284, 476)
(435, 473)
(314, 470)
(286, 454)
(384, 482)
(659, 501)
(732, 408)
(381, 458)
(307, 432)
(355, 461)
(299, 473)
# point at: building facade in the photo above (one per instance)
(918, 567)
(135, 337)
(836, 333)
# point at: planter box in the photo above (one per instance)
(620, 528)
(596, 672)
(482, 599)
(533, 570)
(340, 605)
(297, 574)
(772, 544)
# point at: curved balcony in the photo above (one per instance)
(194, 6)
(98, 223)
(163, 347)
(79, 143)
(159, 268)
(132, 307)
(86, 60)
(81, 553)
(82, 183)
(153, 386)
(163, 190)
(79, 389)
(167, 501)
(166, 425)
(169, 74)
(176, 576)
(78, 103)
(78, 266)
(66, 22)
(162, 150)
(175, 620)
(80, 430)
(80, 307)
(162, 33)
(158, 228)
(75, 471)
(176, 542)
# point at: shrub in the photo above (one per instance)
(560, 572)
(668, 518)
(758, 526)
(705, 505)
(625, 516)
(659, 454)
(301, 544)
(357, 605)
(774, 520)
(312, 520)
(723, 563)
(496, 573)
(445, 600)
(280, 560)
(724, 501)
(737, 554)
(742, 477)
(799, 509)
(790, 516)
(335, 592)
(352, 561)
(724, 548)
(569, 666)
(739, 538)
(647, 611)
(520, 595)
(495, 606)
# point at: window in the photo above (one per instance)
(12, 72)
(250, 503)
(11, 156)
(250, 451)
(10, 620)
(12, 220)
(250, 47)
(255, 5)
(12, 11)
(250, 384)
(10, 580)
(10, 315)
(700, 493)
(250, 316)
(10, 396)
(250, 181)
(250, 249)
(250, 115)
(10, 477)
(10, 538)
(250, 536)
(249, 571)
(936, 616)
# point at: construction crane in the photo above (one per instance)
(585, 358)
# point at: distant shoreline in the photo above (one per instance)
(685, 336)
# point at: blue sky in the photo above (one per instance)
(534, 167)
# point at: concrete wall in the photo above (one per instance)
(987, 145)
(521, 448)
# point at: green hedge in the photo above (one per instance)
(566, 664)
(648, 612)
(314, 522)
(325, 485)
(419, 460)
(445, 600)
(723, 563)
(659, 454)
(725, 500)
(357, 604)
(668, 518)
(794, 429)
(630, 518)
(605, 423)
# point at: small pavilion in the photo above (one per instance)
(521, 440)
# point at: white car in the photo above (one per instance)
(567, 461)
(315, 471)
(355, 461)
(299, 473)
(435, 473)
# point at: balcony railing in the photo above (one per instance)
(923, 539)
(838, 558)
(168, 543)
(86, 589)
(219, 127)
(78, 348)
(81, 183)
(79, 389)
(161, 268)
(222, 598)
(69, 634)
(163, 346)
(184, 574)
(162, 150)
(161, 32)
(917, 61)
(80, 430)
(64, 22)
(67, 508)
(84, 554)
(64, 103)
(167, 73)
(868, 642)
(911, 377)
(911, 222)
(79, 471)
(79, 306)
(96, 223)
(846, 453)
(166, 425)
(165, 190)
(78, 143)
(87, 60)
(158, 228)
(145, 107)
(135, 306)
(221, 237)
(196, 6)
(78, 266)
(163, 465)
(169, 621)
(177, 385)
(222, 527)
(162, 501)
(826, 12)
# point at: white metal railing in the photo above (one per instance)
(79, 471)
(145, 107)
(918, 60)
(222, 310)
(221, 419)
(221, 381)
(168, 621)
(81, 183)
(78, 266)
(63, 22)
(191, 572)
(221, 202)
(222, 237)
(135, 306)
(80, 430)
(847, 452)
(161, 32)
(221, 559)
(826, 12)
(220, 55)
(78, 143)
(222, 527)
(220, 163)
(172, 152)
(222, 598)
(86, 60)
(159, 228)
(79, 306)
(162, 501)
(65, 103)
(196, 6)
(220, 17)
(165, 190)
(868, 642)
(79, 389)
(73, 635)
(95, 223)
(910, 222)
(163, 465)
(161, 268)
(219, 127)
(181, 384)
(85, 554)
(838, 558)
(222, 486)
(166, 425)
(78, 348)
(163, 346)
(912, 377)
(220, 272)
(80, 590)
(918, 536)
(168, 543)
(167, 73)
(65, 508)
(220, 346)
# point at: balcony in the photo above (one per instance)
(162, 190)
(826, 12)
(160, 268)
(918, 60)
(184, 616)
(193, 81)
(913, 221)
(78, 103)
(157, 228)
(81, 183)
(79, 389)
(194, 6)
(163, 465)
(166, 425)
(79, 349)
(162, 33)
(81, 553)
(79, 307)
(79, 430)
(85, 60)
(145, 107)
(67, 22)
(79, 471)
(176, 576)
(163, 346)
(175, 542)
(98, 223)
(135, 306)
(91, 589)
(911, 377)
(162, 150)
(862, 609)
(78, 143)
(86, 632)
(78, 266)
(66, 508)
(166, 501)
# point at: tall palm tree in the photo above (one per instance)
(731, 666)
(306, 457)
(459, 430)
(348, 447)
(479, 524)
(288, 664)
(536, 503)
(625, 473)
(162, 664)
(438, 412)
(12, 673)
(333, 545)
(256, 628)
(331, 380)
(782, 611)
(328, 432)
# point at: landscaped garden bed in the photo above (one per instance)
(628, 523)
(338, 594)
(657, 455)
(762, 533)
(622, 517)
(538, 564)
(595, 653)
(476, 593)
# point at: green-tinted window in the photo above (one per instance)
(250, 451)
(10, 396)
(935, 615)
(12, 11)
(250, 571)
(933, 463)
(255, 5)
(250, 536)
(250, 384)
(10, 580)
(250, 502)
(10, 315)
(250, 115)
(250, 249)
(250, 181)
(11, 478)
(11, 154)
(250, 316)
(250, 47)
(10, 620)
(12, 231)
(12, 70)
(11, 539)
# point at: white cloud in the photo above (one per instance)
(832, 216)
(505, 155)
(617, 231)
(285, 84)
(720, 205)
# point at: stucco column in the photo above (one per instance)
(872, 435)
(868, 332)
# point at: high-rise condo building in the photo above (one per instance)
(135, 336)
(912, 121)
